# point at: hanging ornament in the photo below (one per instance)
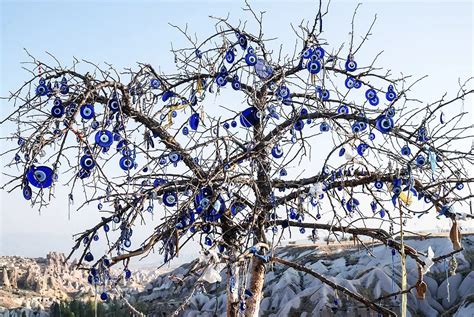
(421, 286)
(41, 89)
(250, 117)
(87, 111)
(40, 176)
(104, 138)
(27, 193)
(87, 162)
(455, 235)
(350, 82)
(350, 65)
(126, 163)
(167, 95)
(263, 69)
(384, 124)
(313, 67)
(453, 265)
(230, 56)
(406, 151)
(390, 94)
(343, 109)
(251, 59)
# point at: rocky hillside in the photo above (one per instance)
(33, 284)
(291, 293)
(36, 283)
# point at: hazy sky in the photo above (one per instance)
(418, 38)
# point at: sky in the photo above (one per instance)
(420, 38)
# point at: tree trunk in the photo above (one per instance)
(257, 279)
(257, 271)
(232, 294)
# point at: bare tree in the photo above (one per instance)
(140, 142)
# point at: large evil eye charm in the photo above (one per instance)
(313, 67)
(263, 69)
(174, 157)
(155, 83)
(41, 176)
(27, 193)
(87, 162)
(221, 80)
(250, 117)
(243, 41)
(235, 83)
(352, 204)
(194, 121)
(406, 150)
(170, 199)
(370, 94)
(420, 160)
(351, 65)
(104, 138)
(277, 151)
(324, 94)
(41, 89)
(350, 82)
(202, 199)
(87, 111)
(71, 109)
(378, 184)
(361, 148)
(374, 101)
(229, 56)
(356, 128)
(384, 124)
(307, 54)
(319, 52)
(113, 105)
(251, 59)
(390, 95)
(126, 163)
(343, 109)
(283, 92)
(324, 127)
(57, 111)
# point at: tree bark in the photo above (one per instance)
(257, 271)
(257, 279)
(232, 295)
